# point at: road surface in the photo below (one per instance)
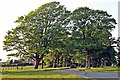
(93, 75)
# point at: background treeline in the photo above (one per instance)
(53, 36)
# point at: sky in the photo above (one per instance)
(10, 10)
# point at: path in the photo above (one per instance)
(93, 75)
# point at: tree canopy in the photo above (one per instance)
(38, 32)
(91, 29)
(52, 29)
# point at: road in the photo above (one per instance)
(93, 75)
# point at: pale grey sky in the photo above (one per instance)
(10, 10)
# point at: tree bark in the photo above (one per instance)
(54, 62)
(38, 58)
(98, 61)
(37, 63)
(66, 62)
(57, 62)
(42, 64)
(94, 63)
(88, 60)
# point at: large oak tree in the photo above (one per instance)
(38, 32)
(91, 30)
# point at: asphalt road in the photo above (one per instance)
(93, 75)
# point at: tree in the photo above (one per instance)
(91, 30)
(38, 32)
(104, 57)
(53, 28)
(0, 59)
(118, 51)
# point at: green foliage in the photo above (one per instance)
(51, 33)
(118, 51)
(90, 29)
(38, 32)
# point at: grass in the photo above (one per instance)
(30, 68)
(40, 76)
(36, 74)
(101, 69)
(40, 73)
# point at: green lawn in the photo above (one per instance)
(101, 69)
(30, 68)
(40, 73)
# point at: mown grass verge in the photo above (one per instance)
(29, 68)
(44, 79)
(100, 69)
(39, 74)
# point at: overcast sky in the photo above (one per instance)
(10, 10)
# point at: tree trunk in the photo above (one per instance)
(88, 60)
(66, 62)
(57, 61)
(54, 62)
(94, 63)
(37, 63)
(102, 62)
(42, 63)
(98, 62)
